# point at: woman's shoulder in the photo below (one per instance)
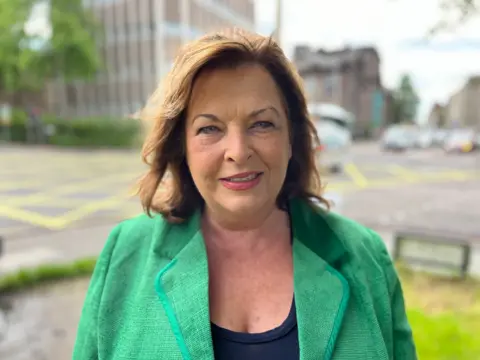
(359, 241)
(353, 235)
(139, 228)
(134, 236)
(142, 225)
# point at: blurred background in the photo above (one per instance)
(393, 87)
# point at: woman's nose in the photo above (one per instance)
(238, 148)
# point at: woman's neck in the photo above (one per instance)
(227, 237)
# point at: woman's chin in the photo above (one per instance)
(242, 206)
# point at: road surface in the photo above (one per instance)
(44, 190)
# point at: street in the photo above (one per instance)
(46, 193)
(48, 190)
(420, 189)
(45, 190)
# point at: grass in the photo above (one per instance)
(24, 279)
(444, 313)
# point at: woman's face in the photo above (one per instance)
(237, 140)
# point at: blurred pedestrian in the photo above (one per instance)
(238, 260)
(35, 128)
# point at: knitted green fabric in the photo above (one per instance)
(148, 298)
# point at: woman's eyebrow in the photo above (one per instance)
(251, 115)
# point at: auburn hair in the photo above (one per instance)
(167, 187)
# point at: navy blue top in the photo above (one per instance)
(280, 343)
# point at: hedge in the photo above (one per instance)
(78, 132)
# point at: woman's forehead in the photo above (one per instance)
(247, 87)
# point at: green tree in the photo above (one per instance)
(406, 101)
(13, 53)
(28, 60)
(455, 13)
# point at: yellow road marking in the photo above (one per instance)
(404, 173)
(9, 204)
(79, 187)
(392, 182)
(63, 221)
(91, 208)
(31, 217)
(358, 178)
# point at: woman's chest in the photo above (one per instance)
(250, 297)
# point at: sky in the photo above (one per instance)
(439, 66)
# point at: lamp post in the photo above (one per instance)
(278, 22)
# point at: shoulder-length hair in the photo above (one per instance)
(167, 187)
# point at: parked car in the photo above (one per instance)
(439, 136)
(423, 139)
(333, 124)
(397, 138)
(460, 141)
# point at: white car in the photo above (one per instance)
(334, 150)
(460, 141)
(424, 139)
(397, 138)
(333, 124)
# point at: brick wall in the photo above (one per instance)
(354, 73)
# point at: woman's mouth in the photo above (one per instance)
(243, 181)
(244, 178)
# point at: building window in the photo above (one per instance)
(310, 85)
(329, 85)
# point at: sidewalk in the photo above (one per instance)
(53, 248)
(42, 323)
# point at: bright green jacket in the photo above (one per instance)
(148, 298)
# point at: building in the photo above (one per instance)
(436, 118)
(349, 78)
(471, 117)
(388, 108)
(455, 108)
(463, 108)
(141, 40)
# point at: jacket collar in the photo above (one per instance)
(321, 293)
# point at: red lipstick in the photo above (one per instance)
(243, 181)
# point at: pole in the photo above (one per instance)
(159, 35)
(278, 22)
(185, 20)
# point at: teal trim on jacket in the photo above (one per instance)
(148, 297)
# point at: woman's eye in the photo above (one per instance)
(208, 130)
(263, 124)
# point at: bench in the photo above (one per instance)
(433, 251)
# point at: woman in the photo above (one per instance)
(235, 259)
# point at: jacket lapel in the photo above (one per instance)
(182, 286)
(321, 293)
